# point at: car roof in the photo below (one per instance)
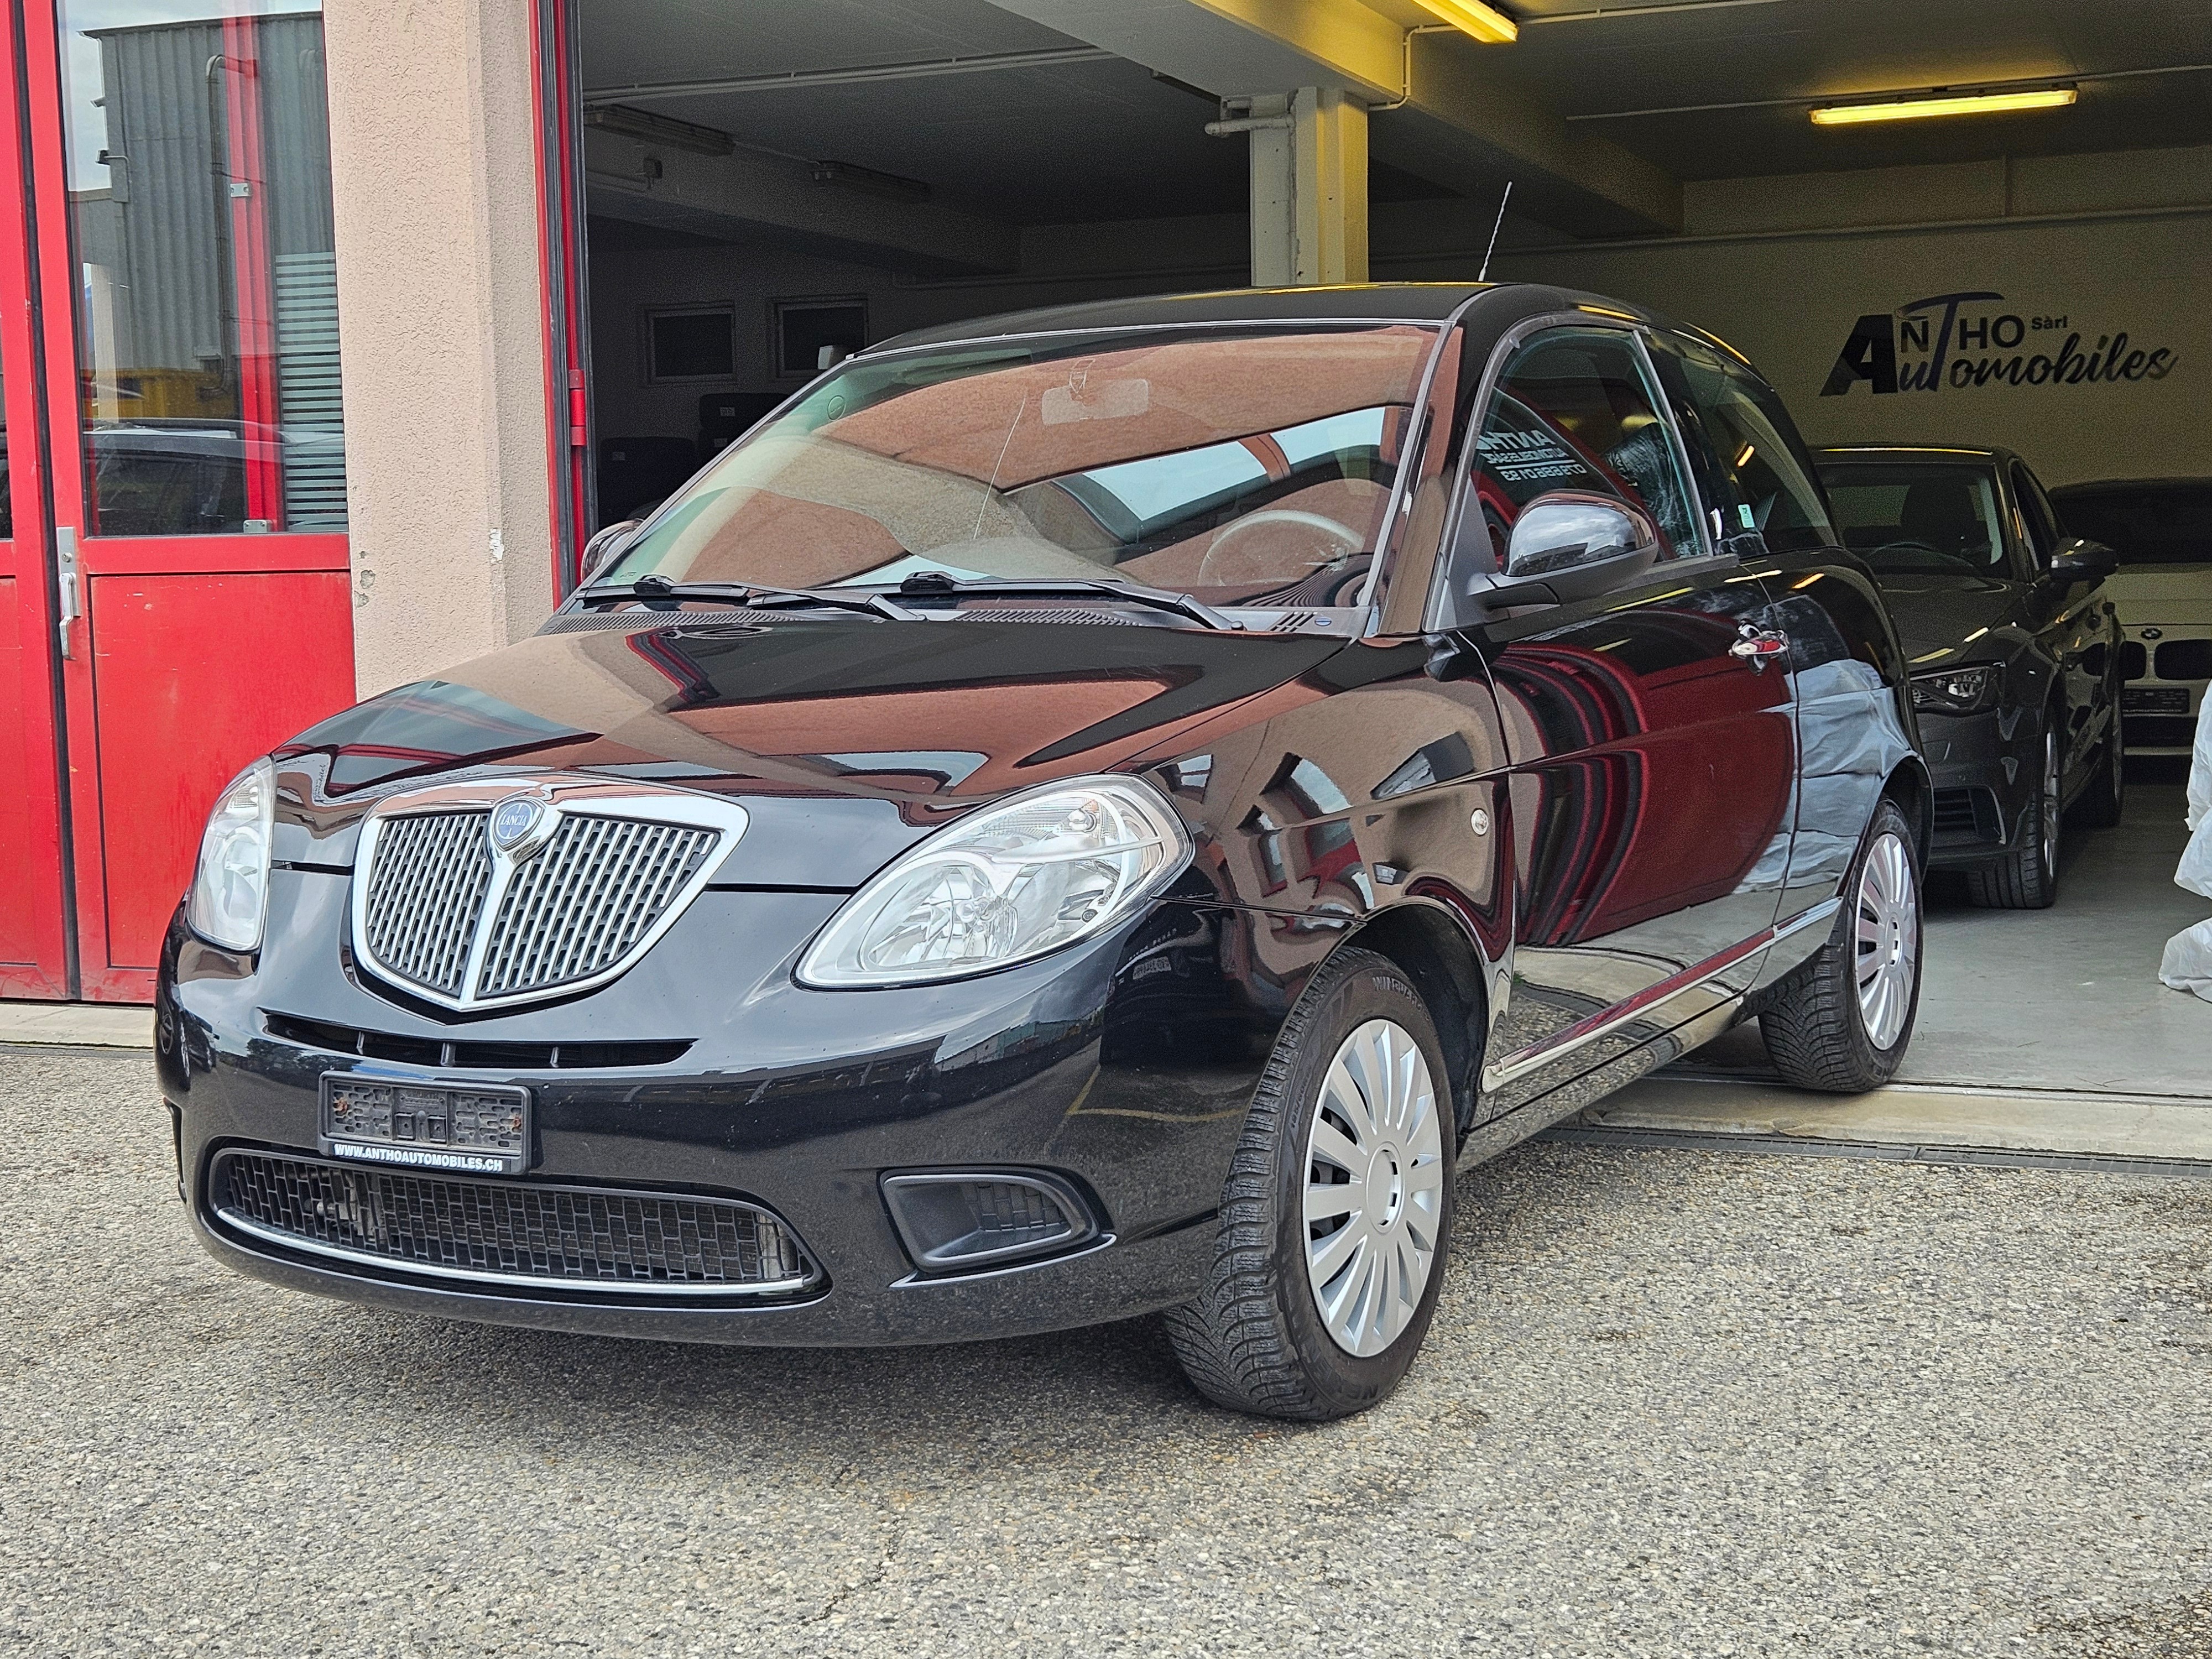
(1389, 303)
(1911, 454)
(2117, 485)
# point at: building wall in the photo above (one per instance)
(440, 292)
(2092, 247)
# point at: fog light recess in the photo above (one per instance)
(958, 1221)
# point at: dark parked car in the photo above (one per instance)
(2161, 531)
(2014, 644)
(1096, 811)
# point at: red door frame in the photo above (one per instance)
(44, 336)
(557, 104)
(41, 885)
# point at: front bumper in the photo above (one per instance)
(2165, 672)
(1129, 1085)
(1984, 768)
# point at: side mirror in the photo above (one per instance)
(1568, 545)
(1567, 529)
(602, 548)
(2080, 560)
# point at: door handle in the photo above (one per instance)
(1758, 646)
(71, 581)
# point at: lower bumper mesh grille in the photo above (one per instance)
(505, 1232)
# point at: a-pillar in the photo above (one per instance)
(440, 331)
(1309, 157)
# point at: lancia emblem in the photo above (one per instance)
(517, 824)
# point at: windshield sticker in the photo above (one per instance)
(1084, 399)
(1527, 457)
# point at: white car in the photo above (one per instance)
(2161, 528)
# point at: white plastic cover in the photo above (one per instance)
(2187, 964)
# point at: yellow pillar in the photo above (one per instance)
(1308, 189)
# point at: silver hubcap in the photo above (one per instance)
(1888, 965)
(2052, 812)
(1375, 1187)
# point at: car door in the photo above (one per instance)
(2073, 623)
(1652, 756)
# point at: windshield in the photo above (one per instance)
(1920, 520)
(2144, 524)
(1240, 467)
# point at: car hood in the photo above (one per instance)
(2166, 595)
(1935, 614)
(846, 739)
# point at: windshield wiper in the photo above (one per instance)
(924, 583)
(752, 595)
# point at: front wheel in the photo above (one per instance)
(1842, 1022)
(2027, 878)
(1337, 1210)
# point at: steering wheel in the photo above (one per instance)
(1220, 569)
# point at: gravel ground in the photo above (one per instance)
(1674, 1403)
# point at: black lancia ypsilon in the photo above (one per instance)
(1093, 812)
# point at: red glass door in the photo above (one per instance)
(182, 291)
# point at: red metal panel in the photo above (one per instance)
(153, 556)
(35, 948)
(194, 676)
(556, 108)
(250, 272)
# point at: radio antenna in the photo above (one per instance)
(1483, 275)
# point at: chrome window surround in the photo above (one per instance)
(560, 795)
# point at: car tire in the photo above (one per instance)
(2026, 879)
(1841, 1022)
(2106, 799)
(1310, 1312)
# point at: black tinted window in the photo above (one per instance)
(1757, 476)
(2144, 524)
(1904, 520)
(1574, 411)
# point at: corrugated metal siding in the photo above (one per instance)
(307, 390)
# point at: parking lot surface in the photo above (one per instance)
(1674, 1403)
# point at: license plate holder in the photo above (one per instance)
(408, 1123)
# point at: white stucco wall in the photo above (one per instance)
(1789, 302)
(440, 301)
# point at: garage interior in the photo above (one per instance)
(770, 186)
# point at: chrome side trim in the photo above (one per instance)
(1606, 1020)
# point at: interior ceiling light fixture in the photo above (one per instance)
(1474, 19)
(1921, 109)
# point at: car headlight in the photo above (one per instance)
(230, 887)
(1957, 690)
(1006, 884)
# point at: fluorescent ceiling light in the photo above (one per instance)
(1474, 19)
(1920, 109)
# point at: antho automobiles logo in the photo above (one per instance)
(1963, 342)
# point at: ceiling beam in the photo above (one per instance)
(750, 196)
(1443, 107)
(858, 74)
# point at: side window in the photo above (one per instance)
(1757, 478)
(1574, 410)
(2043, 536)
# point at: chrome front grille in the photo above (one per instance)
(586, 900)
(480, 895)
(426, 894)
